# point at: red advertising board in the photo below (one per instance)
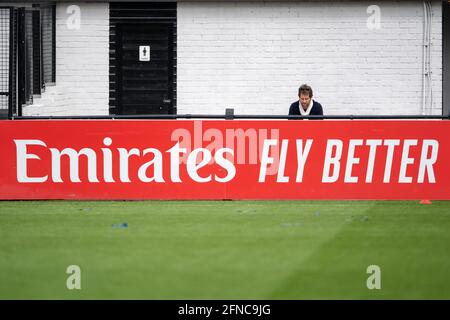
(223, 159)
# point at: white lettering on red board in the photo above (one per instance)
(378, 152)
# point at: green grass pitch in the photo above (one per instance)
(224, 249)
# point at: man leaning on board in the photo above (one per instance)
(305, 105)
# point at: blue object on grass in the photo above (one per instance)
(120, 225)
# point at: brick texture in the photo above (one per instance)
(253, 56)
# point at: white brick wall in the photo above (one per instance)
(253, 56)
(82, 65)
(436, 58)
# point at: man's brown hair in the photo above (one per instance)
(305, 89)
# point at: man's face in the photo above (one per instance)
(304, 100)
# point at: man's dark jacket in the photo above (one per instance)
(316, 109)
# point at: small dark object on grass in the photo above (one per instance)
(120, 225)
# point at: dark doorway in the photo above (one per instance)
(145, 68)
(142, 87)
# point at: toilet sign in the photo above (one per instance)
(144, 53)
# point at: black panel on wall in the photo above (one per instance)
(123, 13)
(48, 43)
(36, 52)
